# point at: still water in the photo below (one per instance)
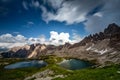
(74, 64)
(23, 64)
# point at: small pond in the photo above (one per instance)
(74, 64)
(24, 64)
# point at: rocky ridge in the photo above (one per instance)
(102, 47)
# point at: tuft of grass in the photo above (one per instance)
(106, 73)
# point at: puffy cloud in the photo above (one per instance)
(98, 14)
(54, 3)
(76, 38)
(20, 38)
(42, 39)
(9, 41)
(71, 11)
(8, 38)
(57, 39)
(10, 45)
(35, 4)
(32, 4)
(47, 16)
(95, 14)
(110, 13)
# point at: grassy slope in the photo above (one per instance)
(15, 74)
(106, 73)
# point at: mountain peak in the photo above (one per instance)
(113, 25)
(112, 29)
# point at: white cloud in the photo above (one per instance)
(45, 14)
(8, 38)
(54, 3)
(33, 40)
(20, 38)
(56, 38)
(76, 11)
(62, 38)
(70, 11)
(10, 45)
(76, 38)
(25, 5)
(35, 4)
(110, 13)
(59, 38)
(32, 4)
(98, 14)
(42, 39)
(9, 41)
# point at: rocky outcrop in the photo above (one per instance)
(27, 51)
(112, 32)
(102, 47)
(38, 50)
(44, 75)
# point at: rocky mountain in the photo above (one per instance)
(33, 51)
(27, 51)
(102, 47)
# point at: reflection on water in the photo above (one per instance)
(74, 64)
(23, 64)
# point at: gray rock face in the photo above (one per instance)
(102, 47)
(27, 51)
(44, 75)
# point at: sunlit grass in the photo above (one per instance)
(106, 73)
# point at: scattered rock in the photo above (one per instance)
(44, 75)
(118, 72)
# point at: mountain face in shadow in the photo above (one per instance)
(102, 47)
(112, 32)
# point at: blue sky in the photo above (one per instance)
(36, 18)
(29, 22)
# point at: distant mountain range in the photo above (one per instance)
(102, 48)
